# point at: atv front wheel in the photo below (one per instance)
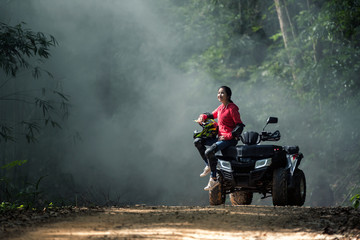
(217, 195)
(241, 198)
(297, 195)
(279, 187)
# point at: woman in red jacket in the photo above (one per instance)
(230, 128)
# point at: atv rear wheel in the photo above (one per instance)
(217, 195)
(279, 187)
(297, 195)
(241, 198)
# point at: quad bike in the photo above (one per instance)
(270, 170)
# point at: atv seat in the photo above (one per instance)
(228, 153)
(250, 138)
(291, 149)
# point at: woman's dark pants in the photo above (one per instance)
(208, 147)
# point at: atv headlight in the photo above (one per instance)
(263, 163)
(224, 165)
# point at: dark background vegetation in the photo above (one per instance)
(126, 79)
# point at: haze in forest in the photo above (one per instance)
(128, 139)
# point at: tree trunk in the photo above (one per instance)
(286, 31)
(284, 24)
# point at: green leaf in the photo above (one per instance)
(21, 206)
(355, 200)
(276, 36)
(14, 164)
(256, 28)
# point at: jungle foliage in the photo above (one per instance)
(18, 47)
(26, 107)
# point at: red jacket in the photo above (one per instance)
(228, 117)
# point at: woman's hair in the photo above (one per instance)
(228, 92)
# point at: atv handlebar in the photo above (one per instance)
(269, 136)
(253, 138)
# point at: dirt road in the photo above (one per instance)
(166, 222)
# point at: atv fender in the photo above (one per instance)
(279, 160)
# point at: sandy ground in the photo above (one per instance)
(180, 222)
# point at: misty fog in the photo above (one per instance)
(132, 106)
